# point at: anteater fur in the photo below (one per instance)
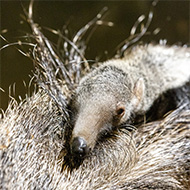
(107, 97)
(35, 134)
(155, 156)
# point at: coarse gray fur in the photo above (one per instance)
(132, 84)
(33, 134)
(155, 156)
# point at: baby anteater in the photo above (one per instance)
(107, 97)
(155, 156)
(37, 136)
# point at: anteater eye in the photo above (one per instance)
(120, 111)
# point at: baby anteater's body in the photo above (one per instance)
(33, 145)
(107, 97)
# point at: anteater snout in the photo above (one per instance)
(79, 147)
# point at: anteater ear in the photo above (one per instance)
(138, 91)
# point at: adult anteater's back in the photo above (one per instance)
(155, 156)
(34, 137)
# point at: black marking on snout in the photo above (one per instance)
(79, 147)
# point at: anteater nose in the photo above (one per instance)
(79, 147)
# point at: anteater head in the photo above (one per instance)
(100, 105)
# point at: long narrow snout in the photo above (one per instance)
(84, 134)
(91, 120)
(83, 140)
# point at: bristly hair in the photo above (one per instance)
(155, 156)
(135, 36)
(59, 75)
